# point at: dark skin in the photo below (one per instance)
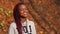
(23, 12)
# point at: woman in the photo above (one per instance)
(21, 25)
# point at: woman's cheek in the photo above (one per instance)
(21, 13)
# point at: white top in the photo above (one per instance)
(27, 26)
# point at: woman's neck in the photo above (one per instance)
(22, 20)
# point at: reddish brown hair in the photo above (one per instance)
(16, 15)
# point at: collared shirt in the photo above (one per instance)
(28, 27)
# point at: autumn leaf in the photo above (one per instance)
(1, 9)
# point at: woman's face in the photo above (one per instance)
(23, 11)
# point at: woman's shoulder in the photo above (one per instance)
(30, 22)
(13, 24)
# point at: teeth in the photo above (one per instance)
(25, 13)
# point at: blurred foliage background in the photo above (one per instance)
(45, 14)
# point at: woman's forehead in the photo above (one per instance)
(22, 6)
